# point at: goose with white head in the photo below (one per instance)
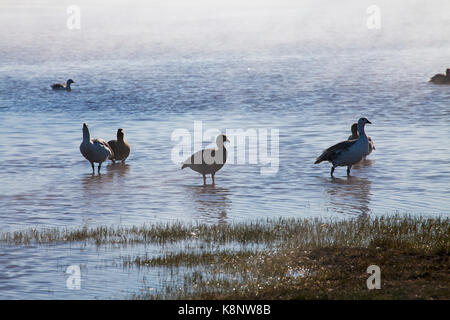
(347, 153)
(95, 150)
(208, 161)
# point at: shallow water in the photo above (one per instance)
(311, 96)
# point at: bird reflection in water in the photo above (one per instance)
(349, 195)
(114, 172)
(211, 202)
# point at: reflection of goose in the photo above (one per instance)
(63, 86)
(210, 201)
(118, 171)
(348, 195)
(347, 153)
(114, 174)
(355, 136)
(208, 161)
(441, 78)
(94, 150)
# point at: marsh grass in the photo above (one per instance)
(316, 259)
(411, 232)
(281, 258)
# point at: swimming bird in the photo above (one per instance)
(94, 150)
(208, 161)
(63, 86)
(354, 136)
(347, 153)
(120, 147)
(441, 78)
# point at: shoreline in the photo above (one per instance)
(279, 258)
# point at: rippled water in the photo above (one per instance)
(311, 97)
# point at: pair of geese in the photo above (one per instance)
(98, 150)
(209, 161)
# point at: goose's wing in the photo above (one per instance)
(191, 160)
(199, 155)
(437, 77)
(332, 152)
(103, 144)
(371, 143)
(58, 86)
(113, 145)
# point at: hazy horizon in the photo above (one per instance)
(137, 28)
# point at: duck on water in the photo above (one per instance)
(347, 153)
(63, 86)
(441, 78)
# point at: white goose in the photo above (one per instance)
(347, 153)
(94, 150)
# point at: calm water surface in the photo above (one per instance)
(311, 97)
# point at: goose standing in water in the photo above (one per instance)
(120, 147)
(63, 86)
(208, 161)
(94, 150)
(441, 78)
(347, 153)
(355, 135)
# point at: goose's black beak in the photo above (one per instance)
(369, 122)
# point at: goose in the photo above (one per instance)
(208, 161)
(94, 150)
(63, 86)
(354, 136)
(441, 78)
(120, 147)
(347, 153)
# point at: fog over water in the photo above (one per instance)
(308, 69)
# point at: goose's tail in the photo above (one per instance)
(321, 158)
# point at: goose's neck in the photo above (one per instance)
(68, 85)
(86, 135)
(361, 131)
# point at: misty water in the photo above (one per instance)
(307, 72)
